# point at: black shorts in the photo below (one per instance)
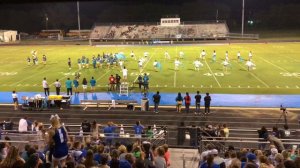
(15, 100)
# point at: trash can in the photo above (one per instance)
(145, 104)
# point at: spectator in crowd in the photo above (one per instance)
(114, 162)
(207, 100)
(138, 129)
(123, 152)
(86, 126)
(262, 134)
(93, 84)
(217, 159)
(251, 159)
(209, 163)
(57, 85)
(149, 132)
(160, 161)
(289, 164)
(98, 153)
(197, 103)
(226, 130)
(179, 101)
(279, 161)
(69, 86)
(167, 155)
(33, 162)
(95, 129)
(15, 100)
(264, 162)
(109, 131)
(13, 160)
(46, 87)
(187, 100)
(277, 142)
(156, 100)
(89, 162)
(3, 151)
(235, 163)
(23, 124)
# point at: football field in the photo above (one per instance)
(277, 69)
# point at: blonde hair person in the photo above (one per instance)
(13, 159)
(57, 140)
(235, 163)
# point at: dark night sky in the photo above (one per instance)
(29, 16)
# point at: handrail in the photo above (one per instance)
(241, 138)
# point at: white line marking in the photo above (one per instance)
(261, 81)
(140, 72)
(175, 74)
(275, 65)
(297, 86)
(213, 74)
(287, 86)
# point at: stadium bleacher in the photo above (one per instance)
(189, 30)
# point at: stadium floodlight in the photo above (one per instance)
(46, 19)
(243, 17)
(78, 17)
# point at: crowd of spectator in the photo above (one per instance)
(249, 158)
(87, 149)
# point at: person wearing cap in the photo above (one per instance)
(274, 151)
(217, 159)
(209, 163)
(251, 160)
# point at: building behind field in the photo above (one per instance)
(8, 35)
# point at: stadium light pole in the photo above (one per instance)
(78, 18)
(243, 17)
(46, 19)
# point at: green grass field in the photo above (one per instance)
(277, 67)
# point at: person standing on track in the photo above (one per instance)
(156, 100)
(46, 87)
(207, 100)
(187, 100)
(57, 86)
(15, 100)
(197, 103)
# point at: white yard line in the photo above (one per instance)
(140, 72)
(213, 74)
(103, 75)
(175, 78)
(257, 78)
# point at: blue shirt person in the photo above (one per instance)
(138, 129)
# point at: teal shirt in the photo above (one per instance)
(68, 84)
(93, 82)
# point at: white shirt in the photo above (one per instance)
(14, 95)
(177, 63)
(132, 54)
(250, 54)
(146, 54)
(154, 63)
(45, 84)
(23, 125)
(203, 53)
(214, 54)
(225, 63)
(57, 84)
(124, 72)
(197, 64)
(238, 54)
(181, 54)
(249, 64)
